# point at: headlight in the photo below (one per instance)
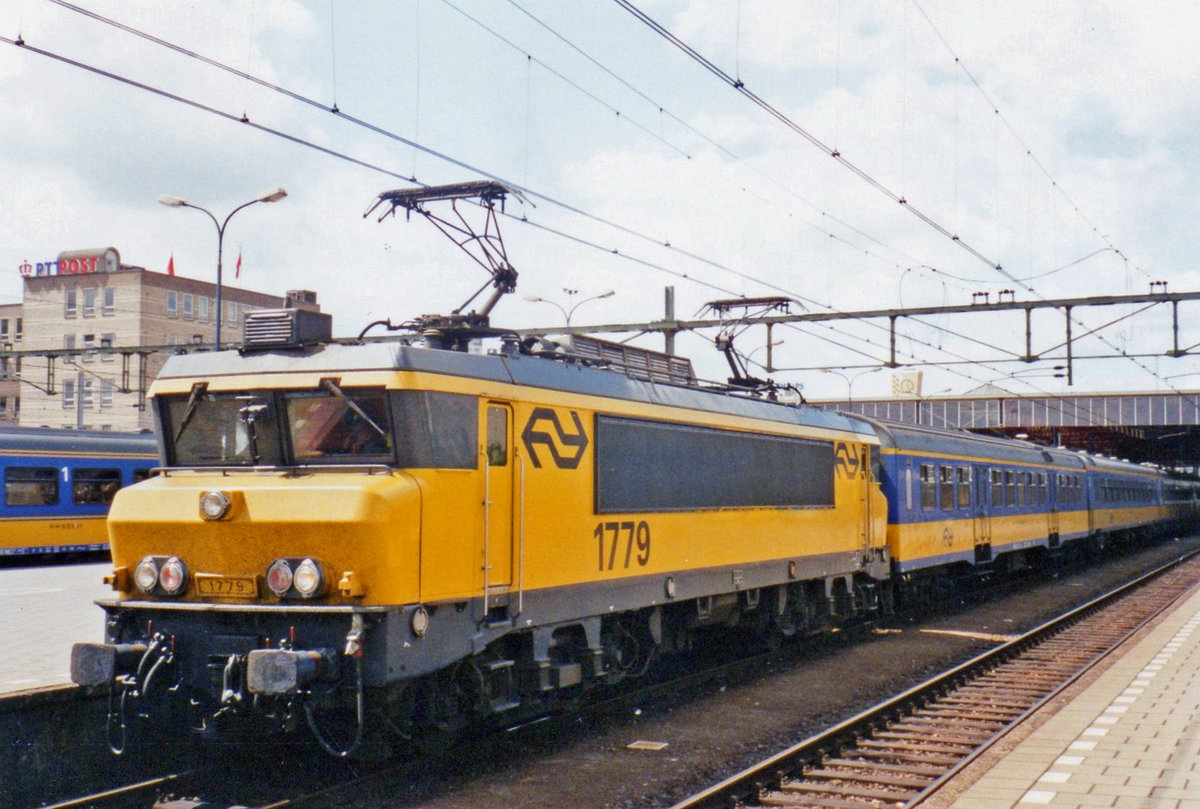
(279, 577)
(145, 575)
(173, 576)
(308, 580)
(214, 505)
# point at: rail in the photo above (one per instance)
(881, 754)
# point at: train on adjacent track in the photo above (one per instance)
(58, 485)
(383, 538)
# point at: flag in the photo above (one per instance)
(171, 265)
(237, 273)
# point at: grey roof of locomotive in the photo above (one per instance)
(546, 373)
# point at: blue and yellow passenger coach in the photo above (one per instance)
(58, 485)
(961, 504)
(446, 535)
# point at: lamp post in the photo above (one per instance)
(850, 380)
(567, 313)
(175, 202)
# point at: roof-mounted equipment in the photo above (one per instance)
(633, 361)
(270, 329)
(752, 309)
(483, 244)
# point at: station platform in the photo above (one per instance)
(1126, 737)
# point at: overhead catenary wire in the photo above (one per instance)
(245, 120)
(409, 142)
(738, 85)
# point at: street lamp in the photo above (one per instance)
(850, 380)
(567, 313)
(175, 202)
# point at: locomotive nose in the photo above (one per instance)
(237, 535)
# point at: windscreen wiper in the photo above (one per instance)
(198, 391)
(331, 386)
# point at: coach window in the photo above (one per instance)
(30, 486)
(997, 487)
(964, 487)
(946, 485)
(94, 486)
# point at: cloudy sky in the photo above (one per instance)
(1055, 140)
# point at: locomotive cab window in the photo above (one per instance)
(436, 430)
(227, 429)
(30, 486)
(497, 436)
(339, 426)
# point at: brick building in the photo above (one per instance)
(87, 300)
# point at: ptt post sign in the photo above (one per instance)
(75, 262)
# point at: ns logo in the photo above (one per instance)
(848, 461)
(564, 448)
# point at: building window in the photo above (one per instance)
(68, 399)
(68, 341)
(106, 393)
(85, 394)
(171, 339)
(4, 368)
(89, 347)
(188, 310)
(89, 302)
(3, 404)
(72, 302)
(110, 301)
(20, 326)
(202, 309)
(3, 329)
(172, 303)
(231, 313)
(106, 341)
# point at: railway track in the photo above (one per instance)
(902, 751)
(140, 793)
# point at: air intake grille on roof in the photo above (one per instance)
(282, 328)
(639, 363)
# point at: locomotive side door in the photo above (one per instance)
(981, 513)
(498, 494)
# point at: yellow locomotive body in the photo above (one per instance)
(519, 525)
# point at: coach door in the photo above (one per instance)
(498, 494)
(982, 514)
(1049, 491)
